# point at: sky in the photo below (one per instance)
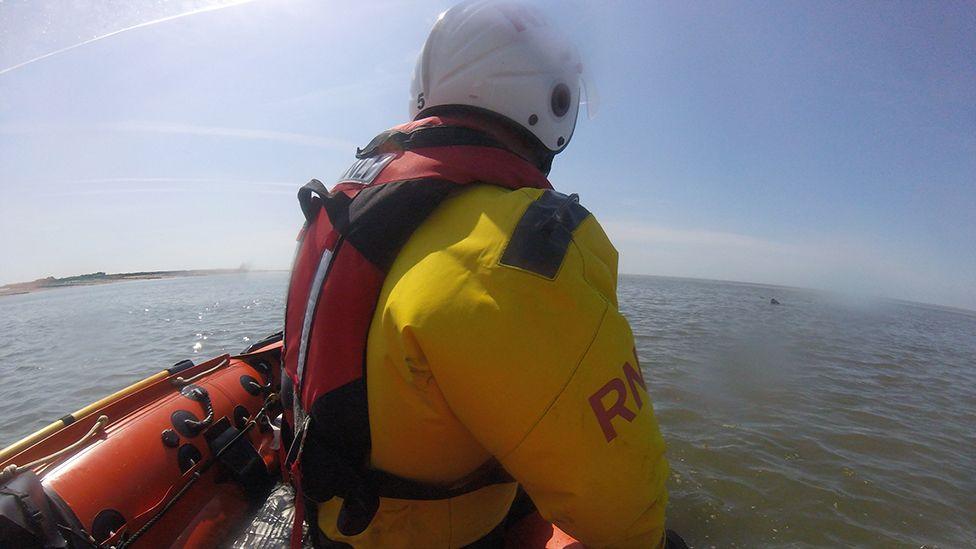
(829, 145)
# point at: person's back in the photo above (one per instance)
(496, 352)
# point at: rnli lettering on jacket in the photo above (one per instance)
(450, 316)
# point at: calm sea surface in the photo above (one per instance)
(816, 423)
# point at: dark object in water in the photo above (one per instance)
(674, 541)
(772, 301)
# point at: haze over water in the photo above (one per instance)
(816, 423)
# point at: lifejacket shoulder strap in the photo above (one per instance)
(427, 136)
(381, 218)
(313, 195)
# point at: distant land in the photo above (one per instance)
(100, 277)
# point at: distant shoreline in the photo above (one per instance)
(94, 279)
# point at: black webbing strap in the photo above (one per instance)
(392, 486)
(428, 136)
(313, 195)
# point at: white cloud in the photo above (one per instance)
(657, 234)
(153, 190)
(302, 139)
(218, 6)
(183, 180)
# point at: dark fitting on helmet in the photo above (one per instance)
(560, 100)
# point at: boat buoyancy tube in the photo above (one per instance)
(177, 460)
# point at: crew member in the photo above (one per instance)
(452, 334)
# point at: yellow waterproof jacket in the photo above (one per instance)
(484, 346)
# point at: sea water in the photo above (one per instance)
(819, 422)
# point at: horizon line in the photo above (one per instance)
(240, 270)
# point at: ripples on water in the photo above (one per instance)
(813, 423)
(63, 349)
(816, 423)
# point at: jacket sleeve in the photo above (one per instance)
(544, 374)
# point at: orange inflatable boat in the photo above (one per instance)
(185, 458)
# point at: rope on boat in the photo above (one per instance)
(12, 469)
(180, 382)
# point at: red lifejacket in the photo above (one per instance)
(350, 239)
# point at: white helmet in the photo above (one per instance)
(506, 58)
